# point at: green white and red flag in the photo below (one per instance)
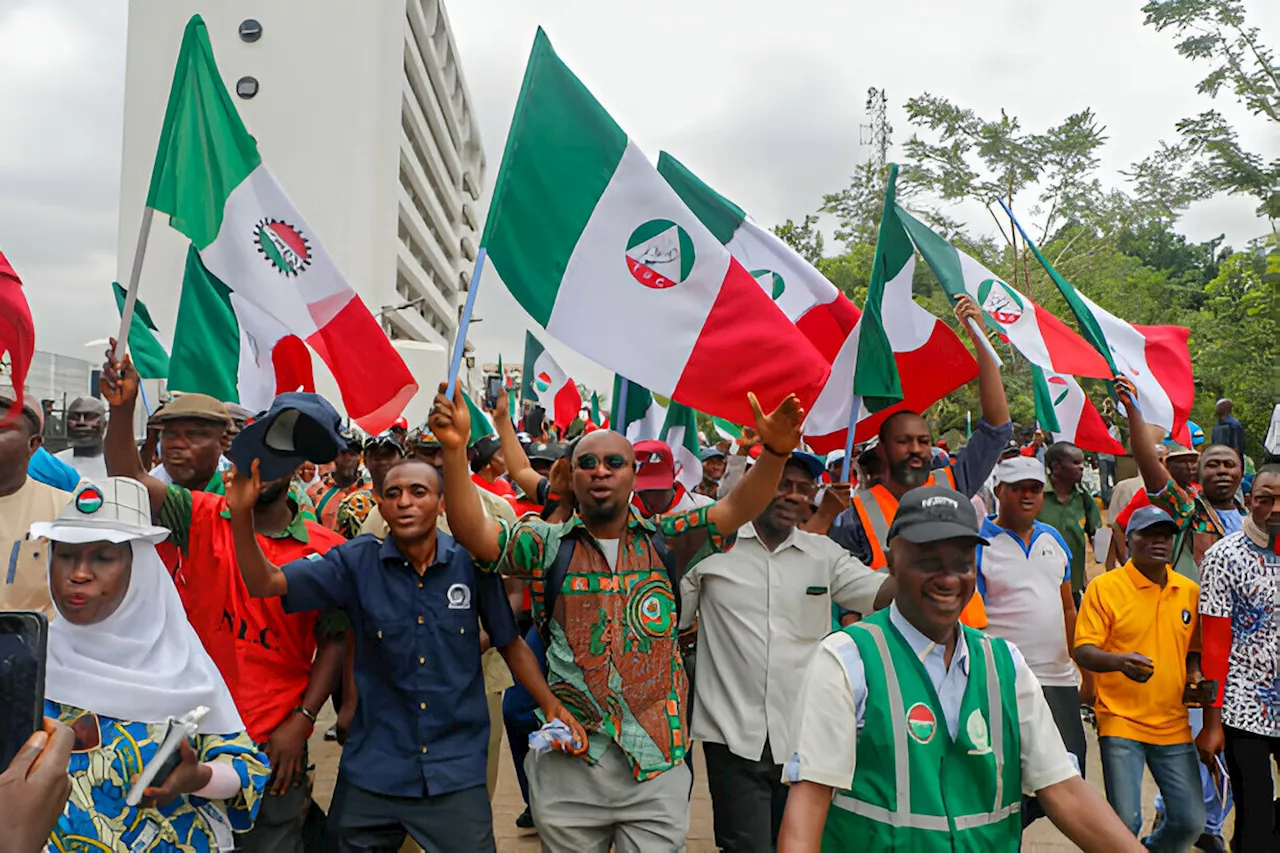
(1065, 411)
(209, 177)
(548, 384)
(604, 255)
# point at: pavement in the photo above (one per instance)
(1041, 837)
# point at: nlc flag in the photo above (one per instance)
(210, 179)
(604, 255)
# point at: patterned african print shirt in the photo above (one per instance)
(1240, 581)
(613, 657)
(352, 512)
(109, 753)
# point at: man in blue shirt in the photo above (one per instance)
(1228, 430)
(414, 762)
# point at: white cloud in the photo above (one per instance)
(763, 100)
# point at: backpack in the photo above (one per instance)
(554, 580)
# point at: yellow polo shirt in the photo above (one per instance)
(1124, 612)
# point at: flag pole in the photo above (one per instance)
(621, 407)
(855, 408)
(135, 274)
(464, 324)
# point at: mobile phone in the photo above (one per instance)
(1200, 694)
(23, 635)
(168, 756)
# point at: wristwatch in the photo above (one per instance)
(304, 712)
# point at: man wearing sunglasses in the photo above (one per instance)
(763, 610)
(613, 658)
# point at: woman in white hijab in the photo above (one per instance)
(122, 660)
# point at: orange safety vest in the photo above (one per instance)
(877, 515)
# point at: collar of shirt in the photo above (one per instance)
(931, 654)
(1140, 581)
(795, 539)
(445, 546)
(990, 530)
(297, 528)
(634, 519)
(1076, 491)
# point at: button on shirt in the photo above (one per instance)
(834, 693)
(761, 616)
(1021, 587)
(422, 724)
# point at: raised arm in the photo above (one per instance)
(780, 434)
(522, 473)
(119, 387)
(1154, 475)
(995, 405)
(451, 424)
(262, 578)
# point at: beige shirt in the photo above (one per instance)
(833, 697)
(761, 617)
(24, 563)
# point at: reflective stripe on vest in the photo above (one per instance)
(903, 817)
(877, 514)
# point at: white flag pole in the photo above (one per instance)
(131, 295)
(855, 408)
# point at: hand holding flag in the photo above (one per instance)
(450, 419)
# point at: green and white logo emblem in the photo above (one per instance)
(660, 254)
(922, 724)
(976, 728)
(1000, 301)
(283, 245)
(770, 282)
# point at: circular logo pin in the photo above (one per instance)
(921, 722)
(89, 500)
(660, 254)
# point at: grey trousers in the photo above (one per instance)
(581, 808)
(440, 823)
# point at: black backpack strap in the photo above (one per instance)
(552, 582)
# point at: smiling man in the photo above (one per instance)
(86, 422)
(914, 732)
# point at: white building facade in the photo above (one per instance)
(361, 111)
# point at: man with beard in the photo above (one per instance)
(1241, 629)
(762, 611)
(86, 421)
(279, 672)
(605, 600)
(905, 448)
(192, 430)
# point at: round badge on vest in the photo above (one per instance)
(921, 722)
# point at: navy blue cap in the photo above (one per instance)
(299, 427)
(712, 452)
(1150, 516)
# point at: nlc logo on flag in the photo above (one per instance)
(1000, 301)
(283, 245)
(660, 254)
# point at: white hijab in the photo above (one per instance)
(143, 663)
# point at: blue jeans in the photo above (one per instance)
(1215, 812)
(1176, 770)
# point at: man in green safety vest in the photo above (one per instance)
(916, 733)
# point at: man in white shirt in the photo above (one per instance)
(86, 423)
(762, 610)
(1024, 577)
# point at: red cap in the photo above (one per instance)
(657, 467)
(402, 423)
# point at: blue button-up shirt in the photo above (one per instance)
(421, 725)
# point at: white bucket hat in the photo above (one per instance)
(116, 510)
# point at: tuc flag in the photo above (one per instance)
(604, 255)
(546, 383)
(209, 177)
(1042, 338)
(1063, 409)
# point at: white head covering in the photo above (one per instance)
(144, 662)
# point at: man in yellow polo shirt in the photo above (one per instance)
(1138, 629)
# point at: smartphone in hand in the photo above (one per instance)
(23, 637)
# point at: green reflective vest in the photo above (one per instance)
(914, 788)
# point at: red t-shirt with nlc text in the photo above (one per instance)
(264, 654)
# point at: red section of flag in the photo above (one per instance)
(747, 344)
(374, 381)
(828, 326)
(292, 362)
(1091, 432)
(1170, 363)
(1069, 352)
(568, 404)
(17, 331)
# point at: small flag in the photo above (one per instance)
(149, 351)
(726, 430)
(481, 425)
(680, 432)
(548, 385)
(1065, 411)
(644, 416)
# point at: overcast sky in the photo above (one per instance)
(763, 100)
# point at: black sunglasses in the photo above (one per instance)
(612, 461)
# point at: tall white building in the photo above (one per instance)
(361, 111)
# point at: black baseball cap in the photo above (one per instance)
(545, 451)
(299, 427)
(483, 451)
(934, 513)
(386, 438)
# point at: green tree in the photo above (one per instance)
(805, 238)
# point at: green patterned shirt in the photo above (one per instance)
(613, 657)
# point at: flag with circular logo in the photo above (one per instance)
(1065, 411)
(660, 254)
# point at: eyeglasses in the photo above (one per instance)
(612, 461)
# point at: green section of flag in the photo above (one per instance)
(145, 348)
(480, 423)
(562, 150)
(532, 350)
(638, 402)
(721, 216)
(727, 431)
(206, 342)
(1045, 413)
(875, 378)
(595, 409)
(205, 150)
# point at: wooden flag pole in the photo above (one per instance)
(131, 295)
(464, 324)
(855, 408)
